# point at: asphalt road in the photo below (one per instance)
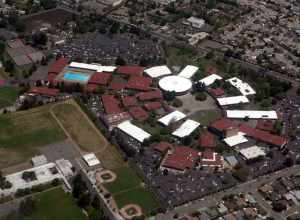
(248, 187)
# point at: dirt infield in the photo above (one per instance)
(99, 176)
(130, 211)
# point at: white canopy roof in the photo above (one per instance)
(252, 152)
(251, 114)
(210, 79)
(186, 128)
(94, 66)
(188, 71)
(158, 71)
(232, 100)
(91, 159)
(177, 84)
(172, 117)
(243, 87)
(134, 131)
(235, 140)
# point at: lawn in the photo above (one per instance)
(126, 179)
(56, 205)
(141, 196)
(86, 135)
(128, 188)
(178, 56)
(205, 117)
(8, 96)
(22, 133)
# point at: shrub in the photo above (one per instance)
(201, 96)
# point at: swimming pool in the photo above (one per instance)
(76, 76)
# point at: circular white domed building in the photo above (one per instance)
(178, 84)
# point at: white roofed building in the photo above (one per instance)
(188, 71)
(158, 71)
(186, 128)
(134, 131)
(235, 140)
(94, 66)
(234, 100)
(252, 153)
(195, 22)
(210, 79)
(91, 159)
(172, 117)
(241, 114)
(177, 84)
(243, 87)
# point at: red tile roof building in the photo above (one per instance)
(138, 113)
(207, 139)
(129, 101)
(111, 104)
(263, 136)
(117, 86)
(266, 125)
(139, 83)
(211, 70)
(223, 124)
(91, 88)
(58, 65)
(181, 158)
(217, 92)
(131, 70)
(100, 78)
(155, 94)
(162, 146)
(149, 106)
(211, 159)
(44, 91)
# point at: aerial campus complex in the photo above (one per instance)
(157, 110)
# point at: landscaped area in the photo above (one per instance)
(86, 135)
(23, 132)
(8, 96)
(129, 189)
(56, 204)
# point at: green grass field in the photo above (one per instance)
(86, 135)
(128, 188)
(8, 96)
(22, 133)
(56, 204)
(205, 117)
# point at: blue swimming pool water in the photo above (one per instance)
(76, 76)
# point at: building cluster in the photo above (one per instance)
(268, 36)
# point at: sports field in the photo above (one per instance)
(56, 204)
(8, 96)
(22, 133)
(86, 135)
(128, 188)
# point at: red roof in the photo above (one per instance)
(207, 139)
(2, 82)
(217, 91)
(139, 83)
(131, 70)
(211, 159)
(100, 78)
(155, 94)
(111, 104)
(117, 86)
(129, 101)
(181, 158)
(266, 125)
(44, 91)
(138, 113)
(222, 124)
(152, 106)
(58, 65)
(263, 135)
(91, 87)
(162, 146)
(210, 70)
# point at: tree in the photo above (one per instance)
(39, 38)
(211, 4)
(169, 96)
(177, 103)
(120, 61)
(84, 200)
(278, 206)
(79, 186)
(9, 66)
(289, 162)
(96, 203)
(48, 4)
(27, 206)
(201, 96)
